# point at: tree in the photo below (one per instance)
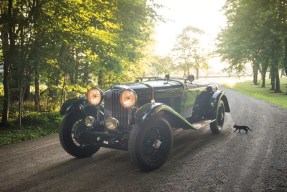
(255, 34)
(163, 65)
(66, 43)
(189, 52)
(8, 44)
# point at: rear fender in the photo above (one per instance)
(150, 111)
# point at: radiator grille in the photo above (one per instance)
(114, 109)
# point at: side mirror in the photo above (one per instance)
(167, 76)
(190, 78)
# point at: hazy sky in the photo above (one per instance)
(203, 14)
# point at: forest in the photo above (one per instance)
(53, 50)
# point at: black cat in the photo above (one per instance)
(239, 127)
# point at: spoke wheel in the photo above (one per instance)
(149, 146)
(71, 128)
(217, 125)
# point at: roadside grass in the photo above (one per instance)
(35, 124)
(248, 88)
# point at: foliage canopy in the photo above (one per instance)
(70, 45)
(256, 34)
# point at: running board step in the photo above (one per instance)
(201, 124)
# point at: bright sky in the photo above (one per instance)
(203, 14)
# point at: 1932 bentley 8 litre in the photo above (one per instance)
(138, 117)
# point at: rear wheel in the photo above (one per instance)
(71, 128)
(150, 146)
(217, 125)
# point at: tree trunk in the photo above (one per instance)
(37, 88)
(272, 77)
(76, 73)
(277, 81)
(23, 81)
(7, 60)
(263, 73)
(20, 105)
(263, 84)
(27, 91)
(100, 79)
(7, 50)
(255, 73)
(54, 81)
(285, 57)
(85, 77)
(63, 97)
(55, 76)
(276, 78)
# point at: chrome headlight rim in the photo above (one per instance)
(95, 96)
(125, 93)
(89, 121)
(111, 123)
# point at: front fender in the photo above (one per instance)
(216, 97)
(73, 104)
(150, 111)
(82, 105)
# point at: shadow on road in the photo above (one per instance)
(109, 169)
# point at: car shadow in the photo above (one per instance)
(190, 142)
(108, 168)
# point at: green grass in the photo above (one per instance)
(256, 91)
(9, 136)
(35, 124)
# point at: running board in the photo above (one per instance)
(202, 123)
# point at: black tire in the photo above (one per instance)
(73, 122)
(150, 146)
(217, 125)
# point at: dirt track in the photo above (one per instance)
(199, 161)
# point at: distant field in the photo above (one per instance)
(246, 87)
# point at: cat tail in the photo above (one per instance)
(249, 128)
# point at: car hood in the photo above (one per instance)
(147, 86)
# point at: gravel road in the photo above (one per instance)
(199, 161)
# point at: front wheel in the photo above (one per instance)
(150, 146)
(70, 131)
(217, 125)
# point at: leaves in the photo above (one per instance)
(61, 43)
(254, 32)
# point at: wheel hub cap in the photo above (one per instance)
(157, 143)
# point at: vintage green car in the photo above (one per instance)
(138, 117)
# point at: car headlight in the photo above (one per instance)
(90, 121)
(111, 123)
(94, 96)
(128, 98)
